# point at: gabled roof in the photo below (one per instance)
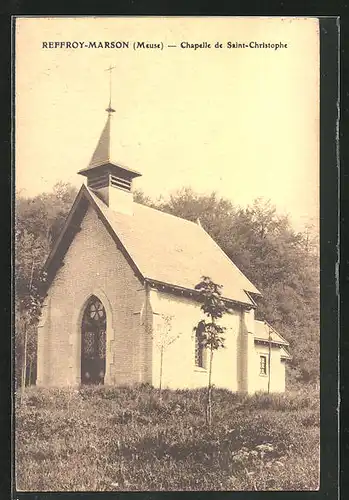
(170, 250)
(262, 331)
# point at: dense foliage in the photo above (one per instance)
(282, 263)
(38, 221)
(125, 439)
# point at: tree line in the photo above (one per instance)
(281, 262)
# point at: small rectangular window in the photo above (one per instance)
(262, 365)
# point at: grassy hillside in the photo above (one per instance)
(107, 438)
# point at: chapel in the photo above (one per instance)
(121, 302)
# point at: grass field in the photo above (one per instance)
(112, 439)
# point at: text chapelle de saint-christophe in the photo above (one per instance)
(160, 45)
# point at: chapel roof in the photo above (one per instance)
(167, 249)
(175, 251)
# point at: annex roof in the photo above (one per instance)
(284, 354)
(262, 330)
(168, 249)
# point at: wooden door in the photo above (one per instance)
(93, 342)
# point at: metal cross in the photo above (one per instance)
(109, 108)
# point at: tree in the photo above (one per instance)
(44, 215)
(164, 339)
(210, 332)
(30, 252)
(37, 225)
(140, 197)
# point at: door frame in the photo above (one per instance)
(94, 328)
(75, 338)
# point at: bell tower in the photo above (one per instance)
(106, 177)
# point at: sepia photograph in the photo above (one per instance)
(167, 292)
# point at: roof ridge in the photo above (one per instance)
(149, 208)
(166, 213)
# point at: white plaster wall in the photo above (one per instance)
(277, 372)
(179, 371)
(246, 358)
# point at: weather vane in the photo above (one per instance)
(109, 108)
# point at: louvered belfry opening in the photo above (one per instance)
(101, 180)
(119, 182)
(98, 181)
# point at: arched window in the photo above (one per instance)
(93, 342)
(199, 350)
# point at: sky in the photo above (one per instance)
(243, 122)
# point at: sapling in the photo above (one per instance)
(210, 332)
(165, 338)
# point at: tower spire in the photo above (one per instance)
(106, 176)
(109, 109)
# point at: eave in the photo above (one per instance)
(107, 166)
(267, 342)
(191, 293)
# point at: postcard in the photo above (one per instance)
(167, 331)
